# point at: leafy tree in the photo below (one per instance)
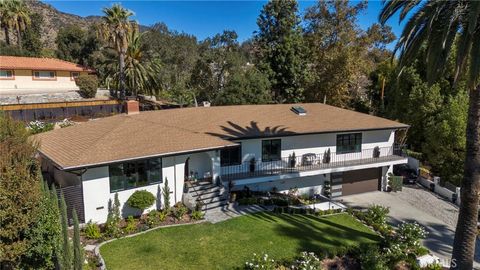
(282, 50)
(45, 234)
(77, 246)
(115, 29)
(88, 85)
(70, 43)
(20, 191)
(436, 24)
(31, 36)
(342, 54)
(141, 199)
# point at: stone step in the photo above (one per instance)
(210, 200)
(205, 189)
(214, 205)
(211, 194)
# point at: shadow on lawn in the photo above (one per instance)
(315, 233)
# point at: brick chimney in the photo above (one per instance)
(132, 107)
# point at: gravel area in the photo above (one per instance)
(430, 203)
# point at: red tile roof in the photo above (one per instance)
(33, 63)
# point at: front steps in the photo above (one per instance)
(210, 195)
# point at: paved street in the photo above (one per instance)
(417, 204)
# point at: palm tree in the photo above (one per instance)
(438, 25)
(140, 74)
(15, 16)
(115, 29)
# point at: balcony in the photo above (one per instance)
(310, 162)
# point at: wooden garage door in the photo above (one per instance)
(361, 181)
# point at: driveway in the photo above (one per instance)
(414, 203)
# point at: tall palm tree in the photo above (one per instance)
(15, 16)
(3, 21)
(115, 29)
(436, 25)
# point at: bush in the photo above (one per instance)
(376, 215)
(162, 215)
(260, 262)
(141, 199)
(152, 219)
(371, 258)
(247, 201)
(279, 202)
(407, 239)
(131, 225)
(307, 261)
(197, 215)
(88, 85)
(36, 127)
(92, 231)
(179, 211)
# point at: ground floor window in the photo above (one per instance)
(135, 174)
(6, 74)
(44, 75)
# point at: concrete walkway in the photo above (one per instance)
(415, 204)
(231, 210)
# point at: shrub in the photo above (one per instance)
(36, 127)
(66, 123)
(376, 215)
(112, 225)
(407, 238)
(141, 199)
(247, 201)
(92, 231)
(152, 219)
(197, 215)
(260, 262)
(434, 266)
(307, 261)
(131, 225)
(88, 85)
(166, 196)
(279, 202)
(162, 215)
(371, 258)
(179, 211)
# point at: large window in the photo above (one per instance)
(349, 143)
(44, 75)
(135, 174)
(6, 75)
(74, 75)
(231, 156)
(271, 150)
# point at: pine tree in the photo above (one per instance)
(77, 246)
(66, 258)
(282, 49)
(166, 196)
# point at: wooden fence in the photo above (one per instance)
(54, 111)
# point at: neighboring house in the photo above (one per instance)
(30, 75)
(248, 145)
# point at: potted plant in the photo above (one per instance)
(376, 152)
(327, 156)
(253, 162)
(292, 160)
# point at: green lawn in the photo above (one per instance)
(229, 244)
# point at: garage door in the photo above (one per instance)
(361, 181)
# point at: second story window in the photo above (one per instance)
(135, 174)
(6, 75)
(44, 75)
(231, 156)
(271, 150)
(349, 143)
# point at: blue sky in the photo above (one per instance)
(203, 18)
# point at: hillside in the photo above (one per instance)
(54, 20)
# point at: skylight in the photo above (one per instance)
(299, 110)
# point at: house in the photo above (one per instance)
(264, 147)
(29, 75)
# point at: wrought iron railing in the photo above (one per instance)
(309, 162)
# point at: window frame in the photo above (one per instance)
(124, 182)
(8, 78)
(44, 79)
(238, 156)
(268, 157)
(343, 148)
(72, 78)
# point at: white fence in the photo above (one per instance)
(442, 191)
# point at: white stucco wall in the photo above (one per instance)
(23, 80)
(96, 189)
(318, 144)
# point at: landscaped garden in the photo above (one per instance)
(231, 243)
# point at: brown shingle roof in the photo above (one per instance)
(124, 137)
(33, 63)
